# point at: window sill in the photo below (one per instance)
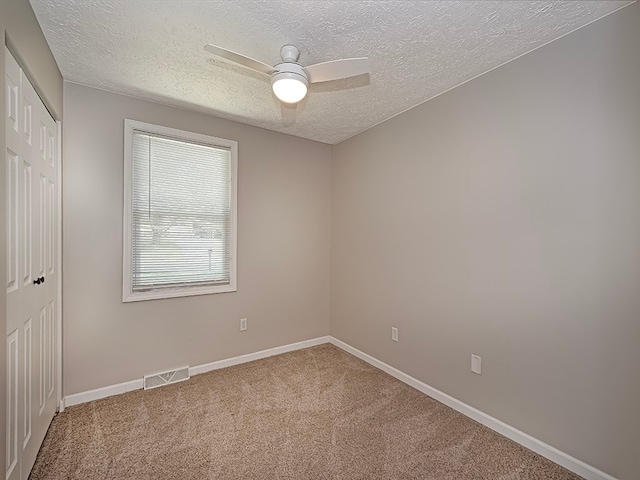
(161, 293)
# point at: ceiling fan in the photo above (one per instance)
(289, 79)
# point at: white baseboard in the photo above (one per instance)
(104, 392)
(552, 453)
(250, 357)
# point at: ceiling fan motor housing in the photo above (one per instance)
(290, 70)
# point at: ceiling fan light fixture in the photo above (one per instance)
(289, 79)
(289, 87)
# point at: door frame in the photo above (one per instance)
(58, 254)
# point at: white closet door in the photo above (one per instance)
(31, 271)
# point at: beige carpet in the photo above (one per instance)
(317, 413)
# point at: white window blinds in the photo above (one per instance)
(181, 213)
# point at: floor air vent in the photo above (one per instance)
(165, 378)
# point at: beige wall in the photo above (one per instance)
(20, 29)
(283, 249)
(502, 219)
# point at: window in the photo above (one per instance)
(179, 213)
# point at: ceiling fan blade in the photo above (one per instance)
(337, 69)
(240, 59)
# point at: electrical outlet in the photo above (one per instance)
(476, 364)
(394, 334)
(243, 324)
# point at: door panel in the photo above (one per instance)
(42, 388)
(12, 221)
(13, 467)
(42, 215)
(51, 199)
(28, 382)
(27, 216)
(31, 263)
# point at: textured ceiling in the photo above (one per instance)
(153, 50)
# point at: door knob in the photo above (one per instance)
(41, 279)
(37, 281)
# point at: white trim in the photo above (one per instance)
(250, 357)
(59, 397)
(104, 392)
(527, 441)
(128, 295)
(185, 291)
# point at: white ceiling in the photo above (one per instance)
(152, 49)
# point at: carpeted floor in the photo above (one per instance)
(317, 413)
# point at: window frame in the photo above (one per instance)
(128, 295)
